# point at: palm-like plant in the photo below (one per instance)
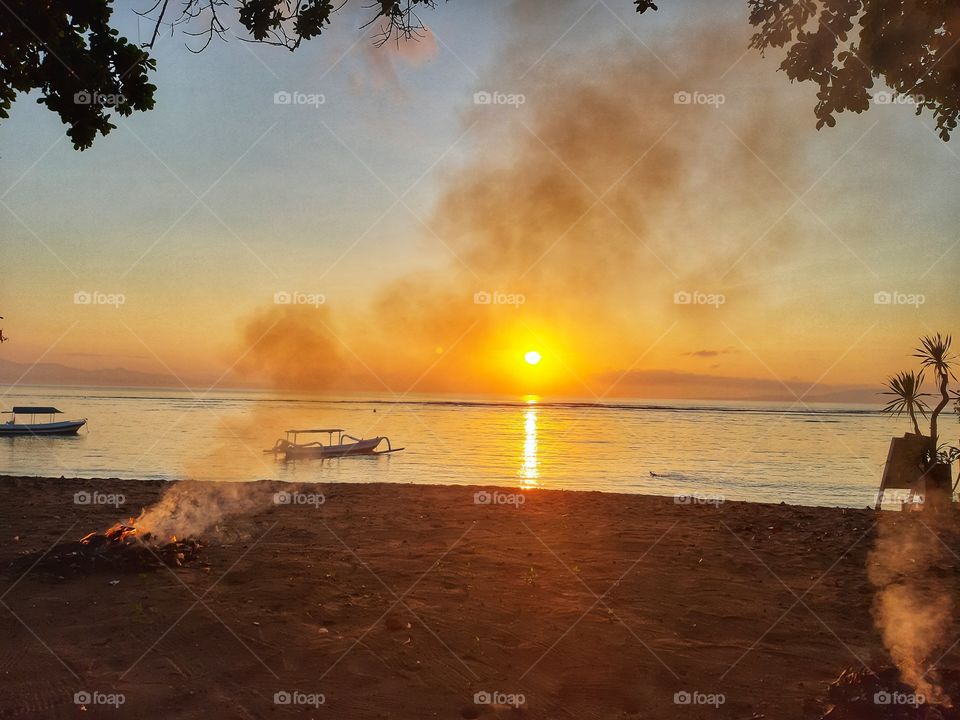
(934, 353)
(907, 397)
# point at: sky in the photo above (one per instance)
(643, 201)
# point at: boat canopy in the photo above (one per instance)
(27, 410)
(317, 430)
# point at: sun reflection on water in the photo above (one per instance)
(530, 468)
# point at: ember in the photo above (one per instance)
(122, 548)
(859, 694)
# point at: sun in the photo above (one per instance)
(532, 357)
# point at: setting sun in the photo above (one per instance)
(532, 357)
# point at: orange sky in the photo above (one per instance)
(645, 246)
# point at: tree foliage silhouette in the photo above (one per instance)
(845, 45)
(86, 72)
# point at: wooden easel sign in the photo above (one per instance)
(903, 470)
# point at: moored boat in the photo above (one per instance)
(339, 446)
(51, 427)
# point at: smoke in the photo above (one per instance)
(594, 200)
(294, 346)
(913, 609)
(382, 62)
(190, 509)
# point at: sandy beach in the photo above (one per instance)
(398, 601)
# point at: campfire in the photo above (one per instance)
(171, 552)
(119, 533)
(122, 548)
(860, 694)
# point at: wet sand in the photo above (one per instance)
(406, 601)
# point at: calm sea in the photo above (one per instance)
(825, 455)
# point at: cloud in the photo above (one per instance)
(709, 353)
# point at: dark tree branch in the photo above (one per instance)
(85, 71)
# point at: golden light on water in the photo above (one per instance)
(530, 468)
(532, 357)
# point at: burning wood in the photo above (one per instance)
(860, 694)
(123, 547)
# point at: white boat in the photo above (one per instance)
(335, 447)
(51, 427)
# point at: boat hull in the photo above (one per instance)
(363, 447)
(66, 427)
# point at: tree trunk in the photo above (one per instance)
(944, 399)
(938, 481)
(913, 418)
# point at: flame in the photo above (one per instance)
(119, 532)
(122, 532)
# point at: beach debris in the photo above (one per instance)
(862, 694)
(123, 547)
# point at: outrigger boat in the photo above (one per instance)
(51, 427)
(335, 447)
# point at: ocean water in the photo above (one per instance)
(822, 455)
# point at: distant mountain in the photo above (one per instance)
(45, 373)
(702, 386)
(867, 394)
